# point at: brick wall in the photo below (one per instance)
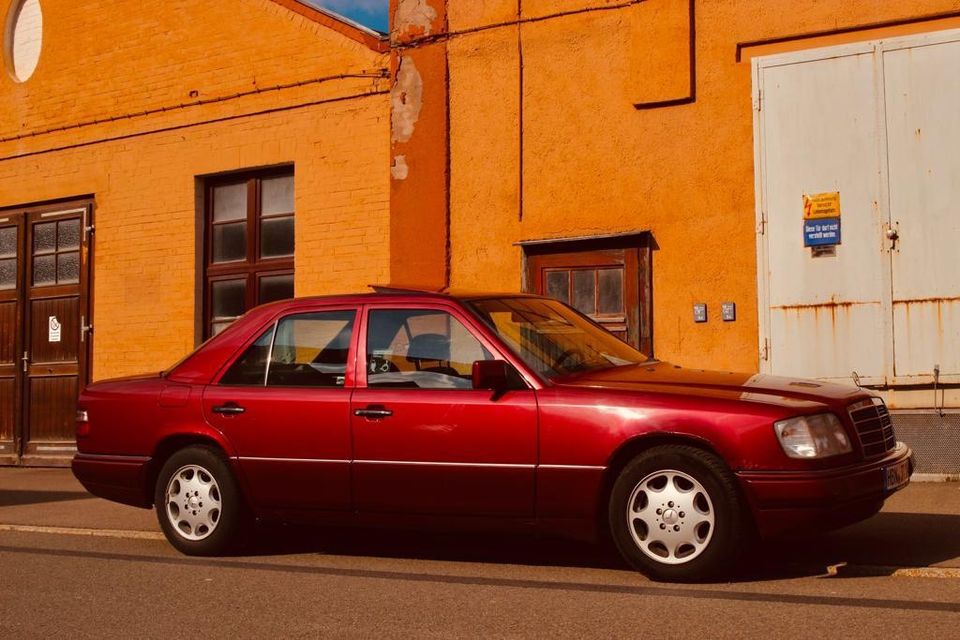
(108, 60)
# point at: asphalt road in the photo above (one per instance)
(315, 584)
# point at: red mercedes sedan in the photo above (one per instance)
(403, 408)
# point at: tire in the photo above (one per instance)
(676, 515)
(198, 503)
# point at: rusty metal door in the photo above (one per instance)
(44, 341)
(823, 315)
(922, 101)
(878, 123)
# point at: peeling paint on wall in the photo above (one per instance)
(406, 98)
(399, 169)
(414, 16)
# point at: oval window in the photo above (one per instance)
(24, 36)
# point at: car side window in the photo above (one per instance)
(420, 349)
(303, 350)
(250, 369)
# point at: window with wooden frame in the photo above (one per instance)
(607, 279)
(249, 223)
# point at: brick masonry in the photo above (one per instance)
(135, 107)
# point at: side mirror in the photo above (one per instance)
(491, 374)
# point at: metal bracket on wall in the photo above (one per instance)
(943, 392)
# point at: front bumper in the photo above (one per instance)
(819, 500)
(118, 478)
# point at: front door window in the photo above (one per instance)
(420, 349)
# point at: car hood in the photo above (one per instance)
(669, 378)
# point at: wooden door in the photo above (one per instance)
(54, 330)
(607, 279)
(11, 319)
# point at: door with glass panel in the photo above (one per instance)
(44, 330)
(11, 319)
(608, 280)
(284, 404)
(249, 244)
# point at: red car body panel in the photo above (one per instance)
(545, 454)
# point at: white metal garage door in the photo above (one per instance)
(878, 122)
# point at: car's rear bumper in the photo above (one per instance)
(820, 500)
(118, 478)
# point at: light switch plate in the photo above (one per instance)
(728, 311)
(700, 312)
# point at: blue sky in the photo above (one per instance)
(370, 13)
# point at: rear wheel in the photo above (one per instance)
(675, 514)
(197, 502)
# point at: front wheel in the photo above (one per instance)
(676, 515)
(197, 502)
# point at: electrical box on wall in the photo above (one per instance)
(728, 311)
(700, 312)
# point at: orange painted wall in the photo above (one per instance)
(592, 163)
(419, 166)
(116, 61)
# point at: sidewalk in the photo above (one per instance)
(54, 498)
(918, 528)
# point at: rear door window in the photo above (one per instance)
(301, 350)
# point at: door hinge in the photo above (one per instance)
(758, 101)
(762, 225)
(765, 349)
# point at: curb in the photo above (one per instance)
(75, 531)
(844, 570)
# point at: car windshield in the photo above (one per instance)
(553, 339)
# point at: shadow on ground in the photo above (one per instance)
(880, 545)
(884, 543)
(16, 497)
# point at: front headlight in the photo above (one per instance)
(818, 436)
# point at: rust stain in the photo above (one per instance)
(832, 306)
(927, 301)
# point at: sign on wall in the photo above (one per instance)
(53, 329)
(821, 219)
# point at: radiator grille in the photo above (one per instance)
(874, 428)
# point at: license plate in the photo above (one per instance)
(896, 476)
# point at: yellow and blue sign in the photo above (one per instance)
(821, 219)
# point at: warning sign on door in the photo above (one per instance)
(53, 332)
(821, 232)
(821, 205)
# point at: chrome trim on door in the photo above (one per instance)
(264, 459)
(496, 465)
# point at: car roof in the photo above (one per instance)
(383, 292)
(203, 363)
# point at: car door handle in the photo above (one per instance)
(229, 409)
(374, 413)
